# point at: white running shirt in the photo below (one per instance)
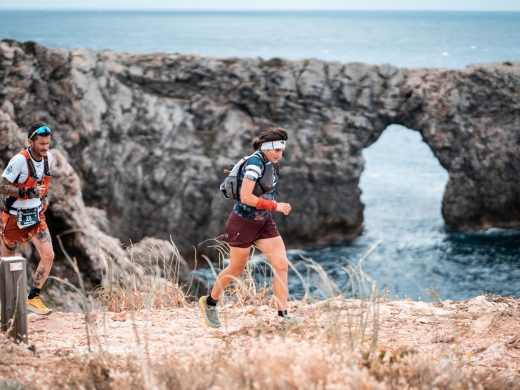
(18, 166)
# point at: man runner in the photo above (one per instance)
(25, 183)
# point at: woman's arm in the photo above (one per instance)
(246, 192)
(247, 197)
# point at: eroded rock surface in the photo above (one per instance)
(149, 135)
(82, 233)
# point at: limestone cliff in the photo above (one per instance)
(149, 135)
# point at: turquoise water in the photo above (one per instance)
(415, 255)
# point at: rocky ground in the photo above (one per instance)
(393, 344)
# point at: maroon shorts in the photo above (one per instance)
(242, 232)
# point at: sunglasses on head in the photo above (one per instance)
(44, 130)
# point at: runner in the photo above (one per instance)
(250, 222)
(25, 183)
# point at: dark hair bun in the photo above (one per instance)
(271, 134)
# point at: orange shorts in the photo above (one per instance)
(12, 234)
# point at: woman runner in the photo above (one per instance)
(250, 222)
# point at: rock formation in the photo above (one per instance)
(149, 135)
(79, 231)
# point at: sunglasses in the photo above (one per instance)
(44, 130)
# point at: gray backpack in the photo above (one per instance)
(230, 187)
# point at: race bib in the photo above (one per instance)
(27, 217)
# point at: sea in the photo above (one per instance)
(405, 250)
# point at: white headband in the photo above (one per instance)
(271, 145)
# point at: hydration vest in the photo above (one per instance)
(32, 180)
(230, 187)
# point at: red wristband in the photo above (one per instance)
(264, 204)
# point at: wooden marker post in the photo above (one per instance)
(13, 293)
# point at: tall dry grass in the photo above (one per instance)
(335, 348)
(145, 282)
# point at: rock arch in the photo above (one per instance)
(149, 134)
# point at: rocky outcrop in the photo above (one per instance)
(148, 135)
(79, 232)
(471, 121)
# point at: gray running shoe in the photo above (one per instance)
(292, 320)
(209, 312)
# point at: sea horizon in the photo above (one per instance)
(405, 38)
(249, 11)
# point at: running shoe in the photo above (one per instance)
(35, 305)
(292, 320)
(209, 312)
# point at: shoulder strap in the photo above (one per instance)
(258, 154)
(30, 165)
(240, 164)
(46, 167)
(9, 203)
(17, 178)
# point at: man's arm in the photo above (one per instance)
(45, 204)
(6, 188)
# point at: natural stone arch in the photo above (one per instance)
(154, 131)
(470, 120)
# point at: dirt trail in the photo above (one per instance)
(482, 333)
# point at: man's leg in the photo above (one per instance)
(8, 250)
(43, 244)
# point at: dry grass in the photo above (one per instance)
(275, 362)
(339, 352)
(157, 294)
(336, 348)
(150, 281)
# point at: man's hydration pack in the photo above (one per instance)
(230, 187)
(32, 179)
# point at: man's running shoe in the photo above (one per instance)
(35, 305)
(209, 312)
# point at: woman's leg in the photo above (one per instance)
(239, 257)
(274, 250)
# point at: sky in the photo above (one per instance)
(466, 5)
